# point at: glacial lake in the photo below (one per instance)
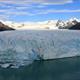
(59, 69)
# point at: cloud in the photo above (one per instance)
(26, 7)
(37, 1)
(21, 13)
(57, 11)
(21, 5)
(4, 17)
(12, 8)
(13, 12)
(54, 2)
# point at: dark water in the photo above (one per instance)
(60, 69)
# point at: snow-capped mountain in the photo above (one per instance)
(67, 24)
(50, 24)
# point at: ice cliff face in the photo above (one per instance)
(19, 48)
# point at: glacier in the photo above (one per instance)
(22, 47)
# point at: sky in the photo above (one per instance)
(39, 10)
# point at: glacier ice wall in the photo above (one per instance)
(19, 48)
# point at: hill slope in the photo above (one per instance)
(4, 27)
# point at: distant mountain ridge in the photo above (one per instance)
(50, 24)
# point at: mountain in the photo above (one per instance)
(4, 27)
(75, 27)
(49, 24)
(67, 24)
(60, 24)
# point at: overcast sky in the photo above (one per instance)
(38, 10)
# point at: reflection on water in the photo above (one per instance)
(60, 69)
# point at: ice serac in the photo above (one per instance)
(18, 48)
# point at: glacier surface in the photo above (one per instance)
(18, 48)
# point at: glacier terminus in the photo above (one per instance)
(22, 47)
